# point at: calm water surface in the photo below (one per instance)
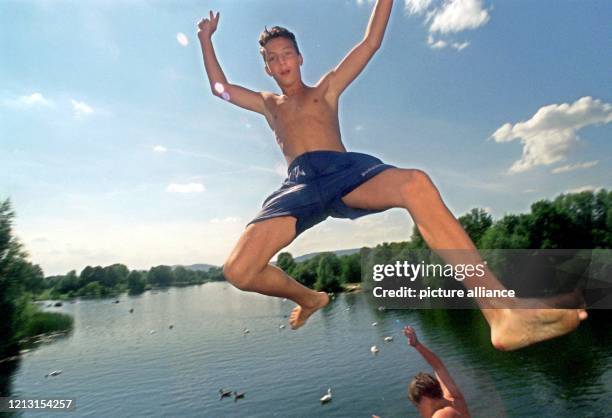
(117, 363)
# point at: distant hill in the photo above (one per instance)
(337, 252)
(199, 267)
(206, 267)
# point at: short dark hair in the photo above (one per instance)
(276, 32)
(424, 384)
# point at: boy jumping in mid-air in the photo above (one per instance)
(326, 180)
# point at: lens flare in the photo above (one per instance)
(182, 39)
(225, 95)
(219, 88)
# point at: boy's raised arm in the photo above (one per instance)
(219, 85)
(350, 67)
(449, 387)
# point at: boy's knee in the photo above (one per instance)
(239, 274)
(416, 184)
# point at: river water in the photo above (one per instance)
(135, 364)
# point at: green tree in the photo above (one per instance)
(161, 276)
(476, 223)
(285, 262)
(135, 282)
(15, 272)
(114, 275)
(328, 273)
(183, 275)
(350, 268)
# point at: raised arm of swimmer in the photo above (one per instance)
(356, 60)
(219, 85)
(449, 387)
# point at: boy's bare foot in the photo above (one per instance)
(300, 314)
(512, 329)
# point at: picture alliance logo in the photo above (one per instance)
(411, 271)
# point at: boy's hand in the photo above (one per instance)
(208, 26)
(410, 333)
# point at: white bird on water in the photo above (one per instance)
(327, 397)
(374, 349)
(54, 373)
(388, 339)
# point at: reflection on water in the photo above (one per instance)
(137, 364)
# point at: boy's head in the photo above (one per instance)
(276, 32)
(424, 385)
(281, 54)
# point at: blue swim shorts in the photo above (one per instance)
(315, 184)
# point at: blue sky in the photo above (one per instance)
(113, 149)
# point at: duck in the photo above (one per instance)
(374, 349)
(281, 326)
(245, 331)
(224, 393)
(374, 324)
(388, 339)
(54, 373)
(327, 397)
(131, 310)
(238, 395)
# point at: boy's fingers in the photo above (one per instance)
(210, 13)
(217, 18)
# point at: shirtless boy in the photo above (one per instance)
(326, 180)
(434, 397)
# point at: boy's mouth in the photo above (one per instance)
(285, 72)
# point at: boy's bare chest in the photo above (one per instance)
(310, 107)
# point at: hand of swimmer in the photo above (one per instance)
(410, 333)
(207, 26)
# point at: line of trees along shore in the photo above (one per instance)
(570, 221)
(578, 220)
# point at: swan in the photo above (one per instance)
(327, 397)
(388, 339)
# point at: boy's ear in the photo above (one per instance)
(301, 60)
(267, 70)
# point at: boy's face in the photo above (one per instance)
(282, 61)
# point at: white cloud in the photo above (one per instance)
(460, 46)
(362, 2)
(446, 17)
(458, 15)
(160, 148)
(588, 188)
(416, 6)
(185, 188)
(182, 39)
(572, 167)
(550, 133)
(439, 44)
(80, 108)
(34, 99)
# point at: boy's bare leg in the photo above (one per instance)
(248, 267)
(414, 191)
